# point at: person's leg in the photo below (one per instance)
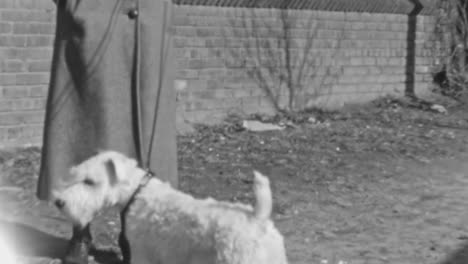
(79, 246)
(86, 112)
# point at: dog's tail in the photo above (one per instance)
(263, 203)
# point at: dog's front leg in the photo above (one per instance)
(125, 248)
(123, 241)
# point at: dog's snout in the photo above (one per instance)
(59, 203)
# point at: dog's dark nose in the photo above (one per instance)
(59, 203)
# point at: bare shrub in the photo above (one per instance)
(451, 31)
(276, 48)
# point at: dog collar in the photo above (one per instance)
(144, 181)
(148, 175)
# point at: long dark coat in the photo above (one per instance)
(106, 74)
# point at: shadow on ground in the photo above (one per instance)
(105, 256)
(460, 256)
(28, 241)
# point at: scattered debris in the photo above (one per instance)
(438, 108)
(312, 120)
(257, 126)
(409, 101)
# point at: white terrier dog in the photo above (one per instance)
(166, 226)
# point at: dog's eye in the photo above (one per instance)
(88, 182)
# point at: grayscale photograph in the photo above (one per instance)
(233, 131)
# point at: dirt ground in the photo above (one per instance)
(386, 183)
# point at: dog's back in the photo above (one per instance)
(189, 230)
(275, 251)
(260, 243)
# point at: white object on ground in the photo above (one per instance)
(256, 126)
(439, 108)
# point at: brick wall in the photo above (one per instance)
(367, 61)
(357, 57)
(26, 36)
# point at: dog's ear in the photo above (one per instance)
(117, 166)
(112, 171)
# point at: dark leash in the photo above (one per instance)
(123, 240)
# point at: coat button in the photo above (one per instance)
(132, 14)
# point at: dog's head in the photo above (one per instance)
(101, 181)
